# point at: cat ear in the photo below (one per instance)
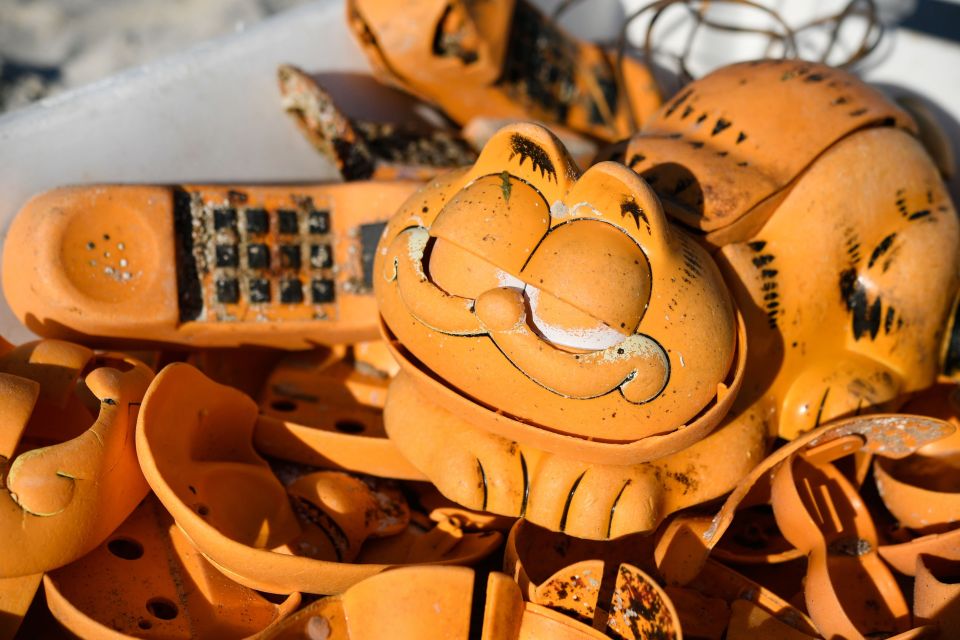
(611, 193)
(531, 153)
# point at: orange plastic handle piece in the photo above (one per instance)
(286, 267)
(848, 590)
(69, 415)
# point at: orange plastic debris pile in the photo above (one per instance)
(505, 382)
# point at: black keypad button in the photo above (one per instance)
(258, 256)
(319, 221)
(290, 256)
(291, 291)
(259, 290)
(225, 219)
(287, 221)
(228, 290)
(257, 221)
(321, 256)
(322, 290)
(227, 255)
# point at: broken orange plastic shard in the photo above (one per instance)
(286, 267)
(147, 579)
(595, 582)
(687, 540)
(363, 150)
(324, 408)
(843, 315)
(196, 448)
(551, 366)
(438, 602)
(848, 590)
(70, 472)
(64, 483)
(502, 59)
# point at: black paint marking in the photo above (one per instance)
(629, 207)
(858, 112)
(696, 144)
(838, 101)
(823, 401)
(741, 137)
(526, 485)
(483, 482)
(636, 159)
(881, 249)
(613, 508)
(566, 507)
(865, 316)
(814, 77)
(888, 320)
(701, 118)
(771, 298)
(539, 160)
(676, 103)
(720, 126)
(686, 112)
(916, 215)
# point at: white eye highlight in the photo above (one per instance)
(566, 326)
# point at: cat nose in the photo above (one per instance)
(501, 309)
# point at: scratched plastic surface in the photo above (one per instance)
(212, 113)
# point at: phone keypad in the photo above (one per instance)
(259, 262)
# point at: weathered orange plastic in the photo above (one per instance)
(750, 607)
(936, 594)
(147, 580)
(571, 575)
(437, 602)
(195, 445)
(285, 267)
(553, 345)
(568, 573)
(903, 556)
(848, 590)
(841, 245)
(502, 59)
(325, 408)
(749, 621)
(363, 150)
(922, 491)
(687, 540)
(70, 472)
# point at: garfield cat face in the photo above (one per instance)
(563, 301)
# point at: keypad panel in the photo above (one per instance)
(262, 262)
